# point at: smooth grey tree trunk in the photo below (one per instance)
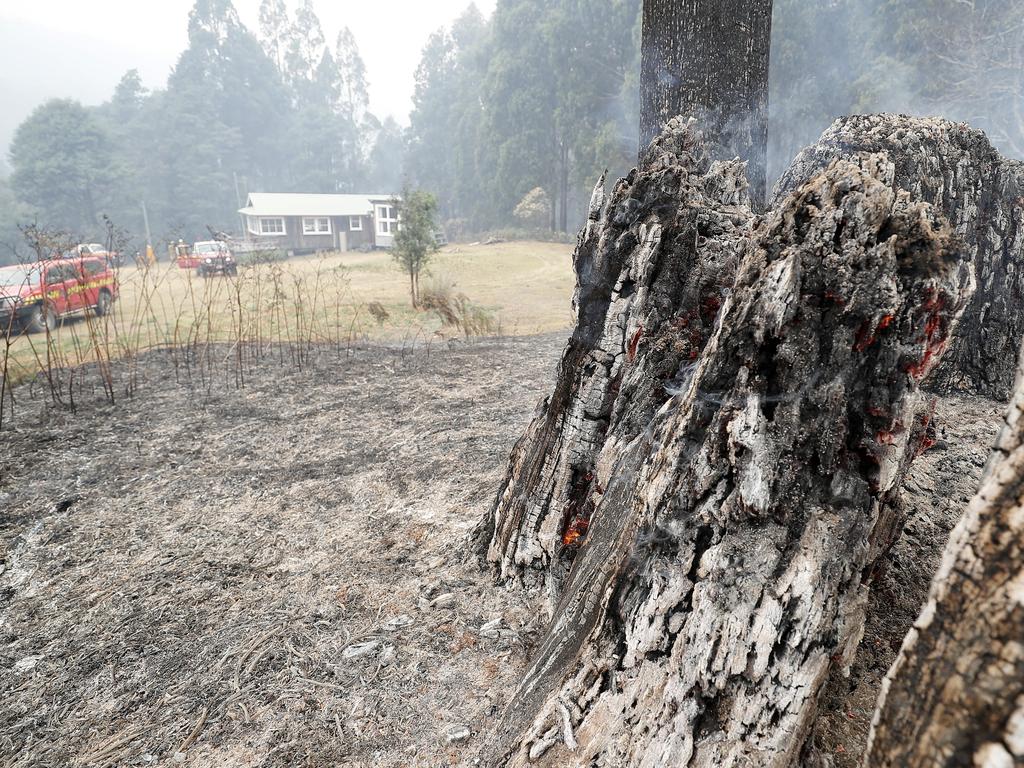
(955, 168)
(709, 59)
(955, 695)
(717, 472)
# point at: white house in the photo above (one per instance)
(304, 223)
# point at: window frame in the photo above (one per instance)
(355, 223)
(387, 219)
(93, 267)
(316, 221)
(65, 271)
(265, 233)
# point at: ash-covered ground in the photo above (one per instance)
(277, 575)
(267, 577)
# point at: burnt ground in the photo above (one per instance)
(277, 575)
(265, 577)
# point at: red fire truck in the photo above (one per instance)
(36, 296)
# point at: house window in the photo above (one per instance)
(387, 219)
(316, 226)
(272, 226)
(355, 223)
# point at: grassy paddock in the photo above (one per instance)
(283, 307)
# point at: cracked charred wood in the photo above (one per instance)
(654, 265)
(726, 565)
(955, 695)
(956, 169)
(709, 59)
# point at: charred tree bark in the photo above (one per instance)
(955, 696)
(653, 267)
(733, 517)
(957, 170)
(709, 59)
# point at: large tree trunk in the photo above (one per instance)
(709, 59)
(955, 168)
(722, 524)
(955, 696)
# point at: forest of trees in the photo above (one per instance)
(536, 100)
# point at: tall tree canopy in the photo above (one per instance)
(540, 95)
(532, 98)
(63, 163)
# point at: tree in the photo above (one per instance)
(384, 166)
(129, 96)
(221, 116)
(715, 474)
(415, 240)
(955, 695)
(12, 213)
(534, 98)
(274, 30)
(709, 59)
(355, 94)
(305, 49)
(532, 210)
(63, 165)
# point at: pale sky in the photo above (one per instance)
(80, 48)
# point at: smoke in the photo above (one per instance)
(960, 60)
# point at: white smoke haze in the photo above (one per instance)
(79, 49)
(959, 59)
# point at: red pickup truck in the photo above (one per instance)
(36, 296)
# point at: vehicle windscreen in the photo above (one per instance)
(209, 248)
(15, 278)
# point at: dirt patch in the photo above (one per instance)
(264, 577)
(274, 576)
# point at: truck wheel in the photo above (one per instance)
(102, 304)
(42, 320)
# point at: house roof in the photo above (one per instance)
(298, 204)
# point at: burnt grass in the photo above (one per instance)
(277, 574)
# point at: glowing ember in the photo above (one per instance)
(575, 532)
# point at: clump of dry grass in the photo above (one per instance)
(378, 312)
(456, 310)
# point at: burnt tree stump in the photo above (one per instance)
(710, 487)
(654, 265)
(955, 168)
